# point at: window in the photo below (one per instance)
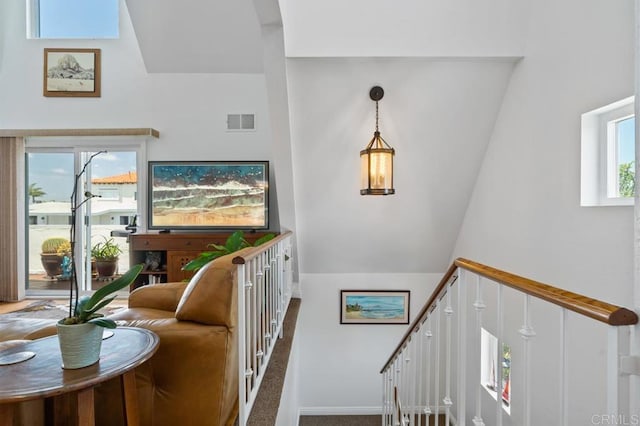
(50, 169)
(490, 362)
(73, 18)
(608, 155)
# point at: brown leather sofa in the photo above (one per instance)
(193, 377)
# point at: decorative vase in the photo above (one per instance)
(79, 344)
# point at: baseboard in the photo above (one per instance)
(340, 411)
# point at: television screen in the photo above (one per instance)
(208, 195)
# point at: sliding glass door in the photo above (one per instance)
(107, 194)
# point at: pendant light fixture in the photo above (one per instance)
(376, 160)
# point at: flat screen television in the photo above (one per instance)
(193, 195)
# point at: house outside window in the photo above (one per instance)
(608, 155)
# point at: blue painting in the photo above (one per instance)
(374, 307)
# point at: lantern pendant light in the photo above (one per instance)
(376, 160)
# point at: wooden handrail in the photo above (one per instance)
(592, 308)
(254, 251)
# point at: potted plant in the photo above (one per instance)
(80, 334)
(51, 257)
(234, 243)
(106, 254)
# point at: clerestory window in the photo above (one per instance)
(59, 19)
(608, 155)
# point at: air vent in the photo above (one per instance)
(241, 122)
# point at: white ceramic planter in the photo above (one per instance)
(79, 344)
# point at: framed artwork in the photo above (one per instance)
(71, 73)
(374, 306)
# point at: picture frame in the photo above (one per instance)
(208, 195)
(374, 306)
(70, 72)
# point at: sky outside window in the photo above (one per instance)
(626, 140)
(78, 18)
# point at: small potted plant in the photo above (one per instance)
(51, 257)
(80, 334)
(106, 254)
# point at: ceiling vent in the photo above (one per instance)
(241, 122)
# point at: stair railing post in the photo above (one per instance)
(498, 360)
(448, 310)
(428, 335)
(462, 347)
(527, 334)
(564, 367)
(436, 398)
(242, 390)
(479, 307)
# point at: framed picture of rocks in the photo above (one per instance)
(71, 73)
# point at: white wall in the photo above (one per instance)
(525, 214)
(437, 28)
(437, 114)
(339, 364)
(189, 110)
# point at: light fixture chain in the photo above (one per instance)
(377, 117)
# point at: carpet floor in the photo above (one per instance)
(340, 420)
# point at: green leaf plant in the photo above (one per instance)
(86, 310)
(234, 243)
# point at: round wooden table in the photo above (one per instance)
(43, 376)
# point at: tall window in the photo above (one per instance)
(608, 155)
(50, 176)
(73, 18)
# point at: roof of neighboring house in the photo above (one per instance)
(129, 177)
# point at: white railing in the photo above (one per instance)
(472, 356)
(264, 290)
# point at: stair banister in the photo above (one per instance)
(437, 312)
(264, 291)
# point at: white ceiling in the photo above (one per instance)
(197, 36)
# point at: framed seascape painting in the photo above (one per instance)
(71, 73)
(208, 195)
(374, 307)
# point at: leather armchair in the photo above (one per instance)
(193, 377)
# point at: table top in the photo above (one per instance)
(43, 376)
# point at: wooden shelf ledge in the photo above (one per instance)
(142, 131)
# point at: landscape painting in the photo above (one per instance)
(208, 195)
(71, 72)
(374, 307)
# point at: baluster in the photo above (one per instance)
(397, 384)
(260, 337)
(420, 368)
(404, 390)
(249, 372)
(436, 398)
(498, 361)
(618, 390)
(448, 310)
(412, 377)
(462, 348)
(564, 370)
(242, 399)
(479, 306)
(254, 325)
(527, 334)
(428, 335)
